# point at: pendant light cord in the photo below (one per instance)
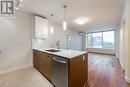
(65, 20)
(66, 4)
(64, 11)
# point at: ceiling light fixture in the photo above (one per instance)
(64, 21)
(81, 20)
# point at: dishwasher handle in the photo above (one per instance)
(59, 61)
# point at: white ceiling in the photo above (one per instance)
(100, 12)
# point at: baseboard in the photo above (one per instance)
(122, 66)
(127, 79)
(15, 69)
(102, 53)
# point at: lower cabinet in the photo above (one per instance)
(43, 63)
(77, 68)
(78, 71)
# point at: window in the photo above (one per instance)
(104, 40)
(97, 40)
(68, 40)
(108, 40)
(89, 42)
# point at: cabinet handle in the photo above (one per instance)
(59, 61)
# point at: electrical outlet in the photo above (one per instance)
(83, 58)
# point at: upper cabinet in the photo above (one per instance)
(41, 27)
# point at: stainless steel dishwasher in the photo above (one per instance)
(60, 71)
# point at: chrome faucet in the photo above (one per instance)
(58, 44)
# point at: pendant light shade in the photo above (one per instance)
(64, 25)
(64, 22)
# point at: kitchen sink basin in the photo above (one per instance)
(53, 50)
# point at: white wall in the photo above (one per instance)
(125, 41)
(117, 42)
(15, 42)
(61, 35)
(122, 46)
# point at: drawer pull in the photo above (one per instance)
(59, 61)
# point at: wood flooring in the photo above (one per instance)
(104, 71)
(128, 85)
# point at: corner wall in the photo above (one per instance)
(127, 45)
(125, 41)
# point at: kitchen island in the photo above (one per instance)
(63, 68)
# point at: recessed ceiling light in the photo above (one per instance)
(81, 20)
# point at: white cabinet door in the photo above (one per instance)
(41, 27)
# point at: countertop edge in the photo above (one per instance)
(55, 54)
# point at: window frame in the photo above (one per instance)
(91, 41)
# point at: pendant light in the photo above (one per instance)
(64, 21)
(51, 28)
